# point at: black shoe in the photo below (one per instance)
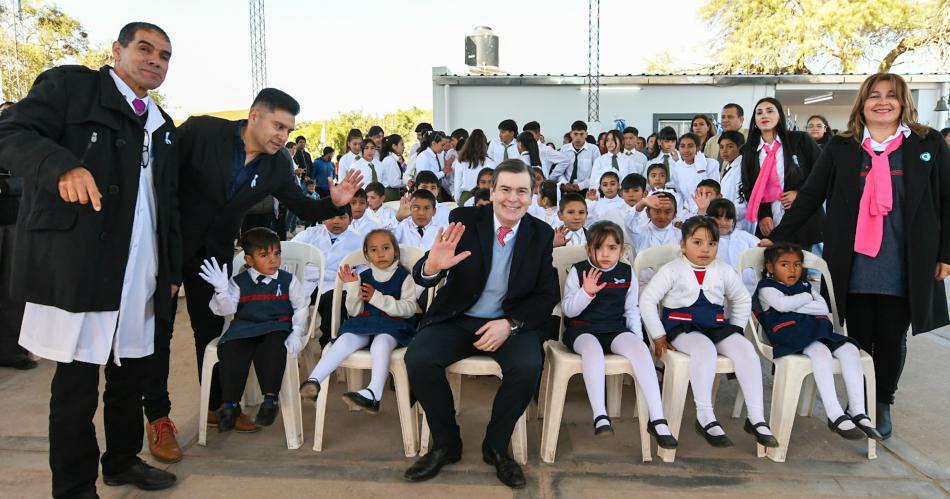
(356, 401)
(506, 469)
(267, 413)
(884, 425)
(713, 440)
(142, 476)
(429, 465)
(603, 430)
(760, 438)
(309, 390)
(20, 363)
(227, 416)
(851, 434)
(863, 422)
(662, 441)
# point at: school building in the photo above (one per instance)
(650, 102)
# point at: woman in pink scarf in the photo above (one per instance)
(886, 181)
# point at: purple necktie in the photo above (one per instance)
(139, 106)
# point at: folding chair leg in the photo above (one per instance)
(321, 415)
(207, 367)
(354, 383)
(455, 383)
(408, 422)
(519, 441)
(644, 418)
(424, 436)
(870, 383)
(737, 407)
(786, 388)
(543, 389)
(675, 386)
(290, 405)
(806, 404)
(554, 410)
(614, 394)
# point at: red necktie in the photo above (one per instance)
(502, 232)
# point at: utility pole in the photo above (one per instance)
(593, 60)
(258, 48)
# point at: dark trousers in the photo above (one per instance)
(269, 356)
(325, 308)
(879, 324)
(155, 399)
(11, 311)
(73, 451)
(437, 346)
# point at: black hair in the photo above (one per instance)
(737, 107)
(426, 177)
(259, 238)
(610, 173)
(722, 207)
(632, 181)
(346, 210)
(424, 194)
(366, 143)
(633, 130)
(654, 166)
(290, 144)
(310, 182)
(511, 166)
(591, 140)
(388, 233)
(423, 127)
(482, 195)
(461, 136)
(692, 136)
(531, 147)
(735, 137)
(548, 191)
(508, 125)
(693, 224)
(475, 150)
(827, 135)
(374, 130)
(750, 159)
(598, 232)
(774, 252)
(944, 132)
(531, 126)
(389, 142)
(713, 184)
(429, 137)
(578, 126)
(652, 153)
(376, 188)
(570, 197)
(482, 173)
(327, 150)
(299, 138)
(360, 193)
(667, 133)
(567, 136)
(666, 195)
(354, 133)
(127, 33)
(274, 99)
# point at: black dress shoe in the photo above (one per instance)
(603, 430)
(142, 476)
(21, 363)
(850, 434)
(863, 422)
(713, 440)
(884, 425)
(506, 469)
(429, 465)
(356, 401)
(662, 441)
(267, 413)
(227, 417)
(760, 438)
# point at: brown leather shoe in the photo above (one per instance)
(161, 441)
(244, 424)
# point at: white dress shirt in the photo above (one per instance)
(429, 161)
(345, 161)
(129, 332)
(777, 210)
(880, 146)
(646, 235)
(385, 215)
(596, 210)
(576, 300)
(604, 164)
(638, 161)
(407, 233)
(550, 158)
(585, 163)
(226, 303)
(466, 177)
(730, 182)
(335, 247)
(363, 166)
(366, 223)
(496, 150)
(389, 173)
(687, 176)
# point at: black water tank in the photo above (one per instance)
(481, 48)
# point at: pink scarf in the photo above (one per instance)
(877, 199)
(766, 187)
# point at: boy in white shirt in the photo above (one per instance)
(417, 229)
(572, 211)
(658, 230)
(690, 169)
(574, 174)
(354, 141)
(638, 160)
(597, 207)
(707, 191)
(632, 190)
(505, 146)
(427, 181)
(363, 219)
(375, 194)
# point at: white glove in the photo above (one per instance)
(215, 276)
(294, 344)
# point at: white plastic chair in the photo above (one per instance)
(676, 364)
(793, 373)
(561, 364)
(361, 360)
(294, 258)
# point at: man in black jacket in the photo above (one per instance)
(499, 293)
(227, 167)
(98, 249)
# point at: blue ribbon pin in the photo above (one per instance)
(168, 138)
(254, 181)
(925, 156)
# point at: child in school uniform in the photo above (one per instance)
(375, 195)
(797, 320)
(549, 156)
(482, 197)
(335, 239)
(632, 191)
(572, 215)
(354, 141)
(528, 151)
(483, 182)
(613, 161)
(505, 146)
(417, 229)
(431, 157)
(377, 135)
(666, 149)
(706, 191)
(391, 166)
(658, 180)
(656, 229)
(547, 200)
(693, 291)
(690, 169)
(366, 164)
(573, 175)
(381, 303)
(601, 316)
(363, 220)
(270, 319)
(733, 241)
(473, 160)
(638, 161)
(730, 149)
(426, 181)
(608, 199)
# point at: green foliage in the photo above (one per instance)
(401, 121)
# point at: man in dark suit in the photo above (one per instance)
(227, 167)
(98, 249)
(499, 293)
(302, 157)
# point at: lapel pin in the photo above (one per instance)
(278, 290)
(925, 156)
(168, 138)
(254, 181)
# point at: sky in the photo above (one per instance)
(377, 56)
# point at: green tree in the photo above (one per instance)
(401, 121)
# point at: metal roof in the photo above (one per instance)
(444, 78)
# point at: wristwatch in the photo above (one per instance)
(515, 325)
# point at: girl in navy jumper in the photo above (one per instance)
(796, 320)
(269, 323)
(601, 315)
(381, 302)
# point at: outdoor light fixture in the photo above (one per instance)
(941, 105)
(819, 98)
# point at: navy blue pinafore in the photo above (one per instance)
(702, 316)
(374, 321)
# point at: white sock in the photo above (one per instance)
(822, 366)
(343, 346)
(635, 350)
(592, 367)
(702, 373)
(749, 374)
(853, 373)
(381, 351)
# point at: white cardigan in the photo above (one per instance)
(675, 286)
